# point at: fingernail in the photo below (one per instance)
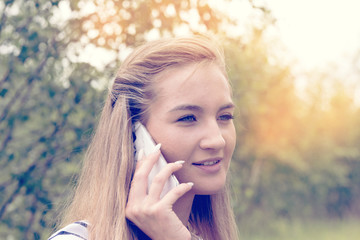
(179, 162)
(190, 184)
(140, 154)
(157, 147)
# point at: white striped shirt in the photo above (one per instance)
(74, 231)
(78, 231)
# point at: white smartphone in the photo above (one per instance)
(144, 141)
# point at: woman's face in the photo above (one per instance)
(192, 118)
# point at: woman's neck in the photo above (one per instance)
(182, 207)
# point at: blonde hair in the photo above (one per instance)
(104, 183)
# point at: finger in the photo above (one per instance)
(139, 182)
(161, 178)
(171, 197)
(140, 154)
(147, 162)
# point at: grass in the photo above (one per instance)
(311, 230)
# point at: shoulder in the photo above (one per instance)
(74, 231)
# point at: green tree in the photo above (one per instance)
(296, 157)
(46, 107)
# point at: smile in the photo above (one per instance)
(210, 163)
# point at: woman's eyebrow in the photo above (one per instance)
(187, 107)
(227, 106)
(196, 108)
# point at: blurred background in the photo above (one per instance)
(295, 69)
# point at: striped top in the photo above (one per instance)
(74, 231)
(78, 231)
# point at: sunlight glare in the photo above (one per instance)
(318, 32)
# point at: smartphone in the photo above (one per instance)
(144, 141)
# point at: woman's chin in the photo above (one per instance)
(208, 189)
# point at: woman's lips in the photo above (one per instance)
(207, 163)
(209, 166)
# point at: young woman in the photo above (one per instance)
(178, 89)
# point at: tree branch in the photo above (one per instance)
(21, 182)
(23, 88)
(6, 76)
(7, 139)
(3, 19)
(31, 217)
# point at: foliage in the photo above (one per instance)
(296, 157)
(47, 108)
(311, 229)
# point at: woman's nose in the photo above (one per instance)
(213, 137)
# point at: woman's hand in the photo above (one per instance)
(152, 214)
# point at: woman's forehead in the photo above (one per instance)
(191, 81)
(180, 74)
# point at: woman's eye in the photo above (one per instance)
(226, 117)
(187, 118)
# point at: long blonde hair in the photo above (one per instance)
(103, 186)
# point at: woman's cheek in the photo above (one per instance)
(178, 146)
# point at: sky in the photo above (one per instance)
(314, 32)
(318, 31)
